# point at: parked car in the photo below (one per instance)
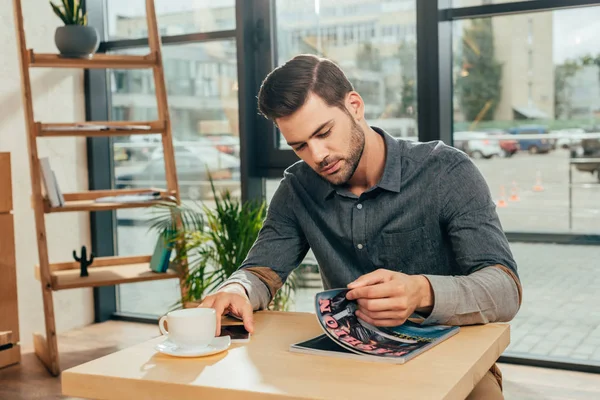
(477, 144)
(568, 142)
(193, 167)
(533, 145)
(226, 144)
(509, 146)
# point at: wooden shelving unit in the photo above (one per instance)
(105, 270)
(10, 348)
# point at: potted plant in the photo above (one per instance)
(75, 38)
(213, 243)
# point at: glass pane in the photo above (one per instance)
(526, 109)
(374, 42)
(127, 19)
(201, 81)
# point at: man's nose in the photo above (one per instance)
(319, 153)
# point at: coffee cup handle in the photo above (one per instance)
(161, 325)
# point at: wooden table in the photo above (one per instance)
(264, 368)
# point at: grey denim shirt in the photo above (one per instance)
(431, 213)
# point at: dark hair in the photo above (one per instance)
(286, 88)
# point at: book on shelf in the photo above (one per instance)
(347, 336)
(131, 198)
(161, 257)
(51, 189)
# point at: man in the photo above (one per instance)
(408, 227)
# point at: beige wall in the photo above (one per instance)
(59, 97)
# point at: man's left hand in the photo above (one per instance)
(388, 298)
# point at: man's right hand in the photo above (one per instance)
(233, 299)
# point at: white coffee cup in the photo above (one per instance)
(190, 327)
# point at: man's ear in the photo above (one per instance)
(355, 105)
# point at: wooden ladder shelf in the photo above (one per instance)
(104, 271)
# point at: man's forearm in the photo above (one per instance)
(258, 292)
(491, 294)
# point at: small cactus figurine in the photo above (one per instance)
(83, 261)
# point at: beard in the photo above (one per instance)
(350, 162)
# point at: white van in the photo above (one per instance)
(477, 144)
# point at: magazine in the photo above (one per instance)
(348, 336)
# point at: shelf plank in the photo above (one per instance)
(86, 201)
(101, 262)
(107, 276)
(90, 205)
(95, 194)
(99, 128)
(99, 60)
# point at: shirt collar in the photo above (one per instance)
(390, 180)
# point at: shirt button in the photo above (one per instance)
(359, 206)
(360, 246)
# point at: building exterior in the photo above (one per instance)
(374, 41)
(524, 45)
(364, 37)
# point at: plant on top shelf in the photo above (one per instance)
(74, 39)
(214, 242)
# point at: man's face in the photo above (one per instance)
(326, 138)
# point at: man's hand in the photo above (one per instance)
(388, 298)
(231, 298)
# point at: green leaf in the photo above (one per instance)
(68, 12)
(59, 13)
(71, 4)
(78, 19)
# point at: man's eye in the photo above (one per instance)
(300, 147)
(325, 134)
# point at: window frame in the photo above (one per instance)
(100, 149)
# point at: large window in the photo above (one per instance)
(534, 80)
(373, 41)
(526, 109)
(202, 87)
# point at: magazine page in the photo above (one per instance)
(336, 316)
(412, 331)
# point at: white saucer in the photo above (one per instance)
(218, 345)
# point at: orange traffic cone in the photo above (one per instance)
(502, 202)
(514, 195)
(538, 183)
